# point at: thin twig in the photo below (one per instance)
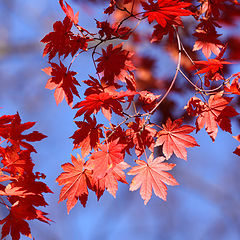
(172, 83)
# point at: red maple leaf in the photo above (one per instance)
(234, 87)
(14, 226)
(111, 7)
(95, 87)
(14, 191)
(4, 177)
(110, 180)
(163, 11)
(21, 210)
(148, 100)
(131, 82)
(29, 184)
(15, 223)
(106, 101)
(194, 106)
(140, 136)
(63, 81)
(175, 139)
(211, 66)
(57, 39)
(152, 175)
(116, 174)
(13, 132)
(5, 119)
(16, 161)
(208, 42)
(23, 192)
(214, 113)
(120, 134)
(101, 162)
(112, 31)
(160, 31)
(63, 41)
(115, 63)
(69, 12)
(76, 180)
(237, 150)
(87, 136)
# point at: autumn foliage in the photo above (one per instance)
(134, 138)
(24, 191)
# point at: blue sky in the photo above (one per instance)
(205, 204)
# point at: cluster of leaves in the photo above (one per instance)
(21, 190)
(103, 148)
(133, 133)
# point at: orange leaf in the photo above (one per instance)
(74, 178)
(152, 175)
(110, 180)
(214, 113)
(103, 161)
(175, 139)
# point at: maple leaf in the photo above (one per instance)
(23, 192)
(131, 82)
(208, 42)
(111, 7)
(62, 41)
(106, 101)
(234, 87)
(140, 136)
(160, 31)
(87, 136)
(4, 177)
(120, 134)
(152, 175)
(95, 87)
(110, 180)
(16, 161)
(41, 216)
(214, 113)
(111, 154)
(194, 106)
(57, 39)
(76, 181)
(5, 119)
(115, 63)
(69, 12)
(234, 42)
(237, 150)
(30, 185)
(15, 223)
(14, 226)
(163, 11)
(175, 139)
(13, 133)
(63, 81)
(148, 100)
(211, 66)
(14, 191)
(116, 174)
(110, 31)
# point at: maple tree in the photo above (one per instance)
(132, 130)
